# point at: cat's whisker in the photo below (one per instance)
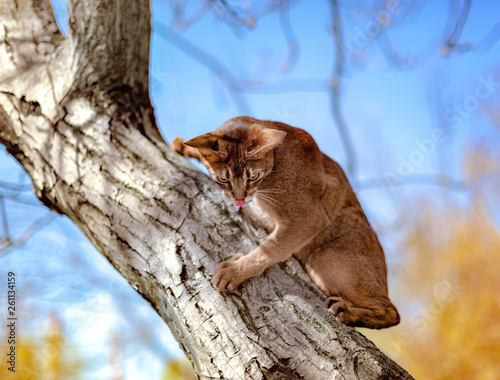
(271, 195)
(266, 197)
(268, 201)
(271, 191)
(263, 191)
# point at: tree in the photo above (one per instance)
(76, 114)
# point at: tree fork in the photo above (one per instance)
(76, 114)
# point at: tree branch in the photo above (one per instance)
(416, 179)
(451, 43)
(291, 38)
(106, 49)
(335, 90)
(211, 62)
(249, 24)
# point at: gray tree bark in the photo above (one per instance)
(76, 114)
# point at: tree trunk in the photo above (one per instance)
(76, 114)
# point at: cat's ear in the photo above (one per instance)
(267, 140)
(207, 145)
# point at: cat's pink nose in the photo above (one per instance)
(239, 203)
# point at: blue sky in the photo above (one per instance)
(389, 110)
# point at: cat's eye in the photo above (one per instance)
(222, 180)
(253, 177)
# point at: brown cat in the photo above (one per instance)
(317, 216)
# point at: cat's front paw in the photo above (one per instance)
(228, 276)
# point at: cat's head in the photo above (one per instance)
(238, 156)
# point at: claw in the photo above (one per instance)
(227, 276)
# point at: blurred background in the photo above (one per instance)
(403, 94)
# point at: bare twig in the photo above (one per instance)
(416, 179)
(5, 223)
(182, 23)
(242, 21)
(490, 39)
(15, 186)
(176, 10)
(284, 86)
(17, 197)
(451, 43)
(336, 87)
(291, 38)
(9, 245)
(392, 55)
(211, 62)
(36, 226)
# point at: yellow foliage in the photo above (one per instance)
(453, 269)
(47, 358)
(179, 370)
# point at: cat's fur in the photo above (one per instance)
(317, 216)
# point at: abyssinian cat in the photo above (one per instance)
(316, 214)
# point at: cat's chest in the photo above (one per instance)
(272, 207)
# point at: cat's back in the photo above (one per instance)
(298, 145)
(301, 143)
(300, 168)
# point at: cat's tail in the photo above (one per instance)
(187, 151)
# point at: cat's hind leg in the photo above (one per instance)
(354, 281)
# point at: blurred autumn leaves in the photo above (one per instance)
(449, 282)
(48, 357)
(179, 370)
(51, 357)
